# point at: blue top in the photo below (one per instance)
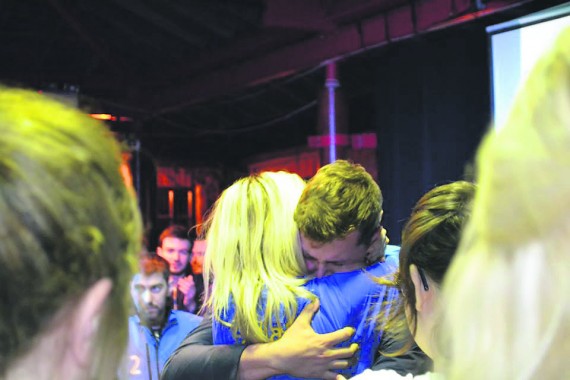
(146, 354)
(346, 299)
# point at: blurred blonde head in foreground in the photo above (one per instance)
(507, 309)
(69, 234)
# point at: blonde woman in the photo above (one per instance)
(255, 261)
(253, 253)
(507, 309)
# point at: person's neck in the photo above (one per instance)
(437, 367)
(437, 364)
(155, 325)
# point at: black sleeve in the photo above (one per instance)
(198, 358)
(413, 361)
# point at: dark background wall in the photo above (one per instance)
(432, 108)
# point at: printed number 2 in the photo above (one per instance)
(135, 365)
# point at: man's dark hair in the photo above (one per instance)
(176, 231)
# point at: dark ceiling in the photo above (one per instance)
(213, 80)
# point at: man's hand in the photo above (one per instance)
(188, 288)
(300, 352)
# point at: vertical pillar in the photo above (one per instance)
(332, 137)
(331, 84)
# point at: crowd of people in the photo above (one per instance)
(293, 279)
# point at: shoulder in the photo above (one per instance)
(390, 264)
(185, 319)
(383, 374)
(429, 376)
(388, 374)
(392, 253)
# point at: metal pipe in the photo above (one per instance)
(332, 84)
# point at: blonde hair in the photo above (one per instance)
(66, 220)
(253, 253)
(507, 304)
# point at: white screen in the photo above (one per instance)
(515, 47)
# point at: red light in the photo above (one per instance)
(171, 204)
(102, 116)
(106, 116)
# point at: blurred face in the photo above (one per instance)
(340, 255)
(197, 260)
(177, 252)
(149, 295)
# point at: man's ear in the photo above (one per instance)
(159, 251)
(375, 252)
(85, 322)
(383, 232)
(421, 294)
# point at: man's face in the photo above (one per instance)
(177, 252)
(149, 295)
(197, 260)
(340, 255)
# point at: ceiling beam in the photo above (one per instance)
(377, 30)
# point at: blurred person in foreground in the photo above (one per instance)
(507, 309)
(70, 230)
(503, 310)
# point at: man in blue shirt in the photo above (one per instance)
(156, 330)
(338, 217)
